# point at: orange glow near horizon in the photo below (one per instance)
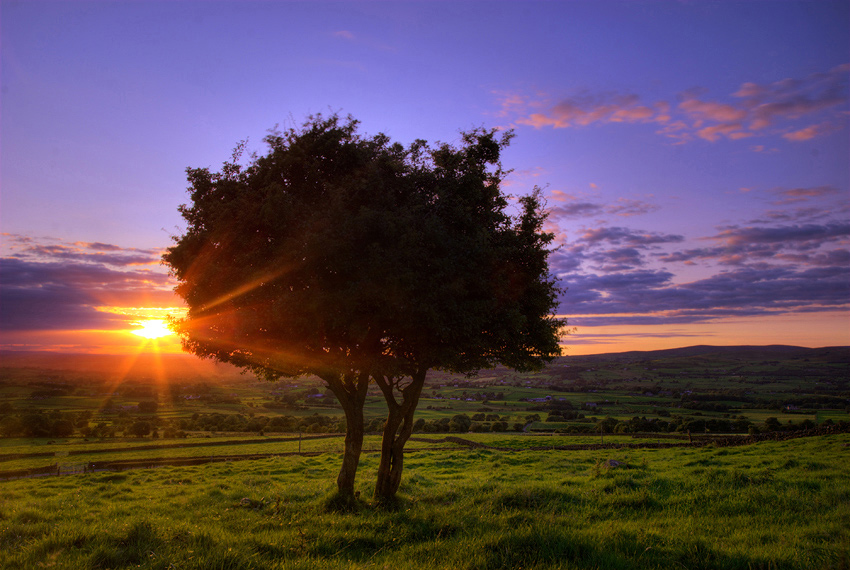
(812, 330)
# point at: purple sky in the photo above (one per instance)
(694, 154)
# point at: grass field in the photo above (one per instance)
(764, 506)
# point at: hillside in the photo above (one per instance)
(188, 365)
(831, 354)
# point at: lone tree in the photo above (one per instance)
(355, 259)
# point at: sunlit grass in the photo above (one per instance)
(770, 505)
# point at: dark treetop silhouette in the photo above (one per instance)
(356, 259)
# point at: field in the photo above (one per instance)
(575, 472)
(769, 505)
(699, 390)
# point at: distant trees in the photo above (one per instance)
(359, 260)
(772, 424)
(148, 407)
(140, 429)
(36, 424)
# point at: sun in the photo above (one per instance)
(153, 328)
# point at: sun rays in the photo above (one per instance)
(153, 329)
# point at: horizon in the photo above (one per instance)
(182, 354)
(695, 157)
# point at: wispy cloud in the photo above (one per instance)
(586, 109)
(753, 110)
(25, 247)
(571, 207)
(794, 195)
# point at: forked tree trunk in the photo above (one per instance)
(397, 431)
(350, 390)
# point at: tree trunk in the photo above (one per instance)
(350, 390)
(397, 431)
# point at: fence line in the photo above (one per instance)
(128, 464)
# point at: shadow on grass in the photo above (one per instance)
(337, 502)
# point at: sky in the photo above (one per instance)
(695, 155)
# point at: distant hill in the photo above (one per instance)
(188, 366)
(770, 352)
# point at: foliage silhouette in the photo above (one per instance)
(356, 259)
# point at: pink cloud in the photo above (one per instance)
(707, 110)
(794, 195)
(584, 110)
(755, 109)
(807, 133)
(714, 132)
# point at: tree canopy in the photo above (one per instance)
(357, 259)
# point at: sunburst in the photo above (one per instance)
(152, 329)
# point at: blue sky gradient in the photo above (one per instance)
(694, 155)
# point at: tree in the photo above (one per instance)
(139, 428)
(357, 260)
(772, 424)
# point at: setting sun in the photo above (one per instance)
(153, 328)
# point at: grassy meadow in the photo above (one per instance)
(764, 506)
(522, 503)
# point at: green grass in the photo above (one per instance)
(770, 505)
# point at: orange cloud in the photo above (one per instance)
(714, 132)
(707, 110)
(584, 110)
(765, 110)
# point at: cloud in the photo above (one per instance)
(805, 236)
(576, 210)
(608, 249)
(753, 110)
(627, 207)
(617, 259)
(611, 338)
(761, 106)
(98, 246)
(794, 195)
(795, 260)
(809, 132)
(48, 284)
(570, 207)
(344, 34)
(38, 295)
(46, 249)
(649, 297)
(806, 214)
(710, 111)
(744, 245)
(586, 109)
(635, 238)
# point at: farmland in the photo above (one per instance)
(696, 458)
(698, 390)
